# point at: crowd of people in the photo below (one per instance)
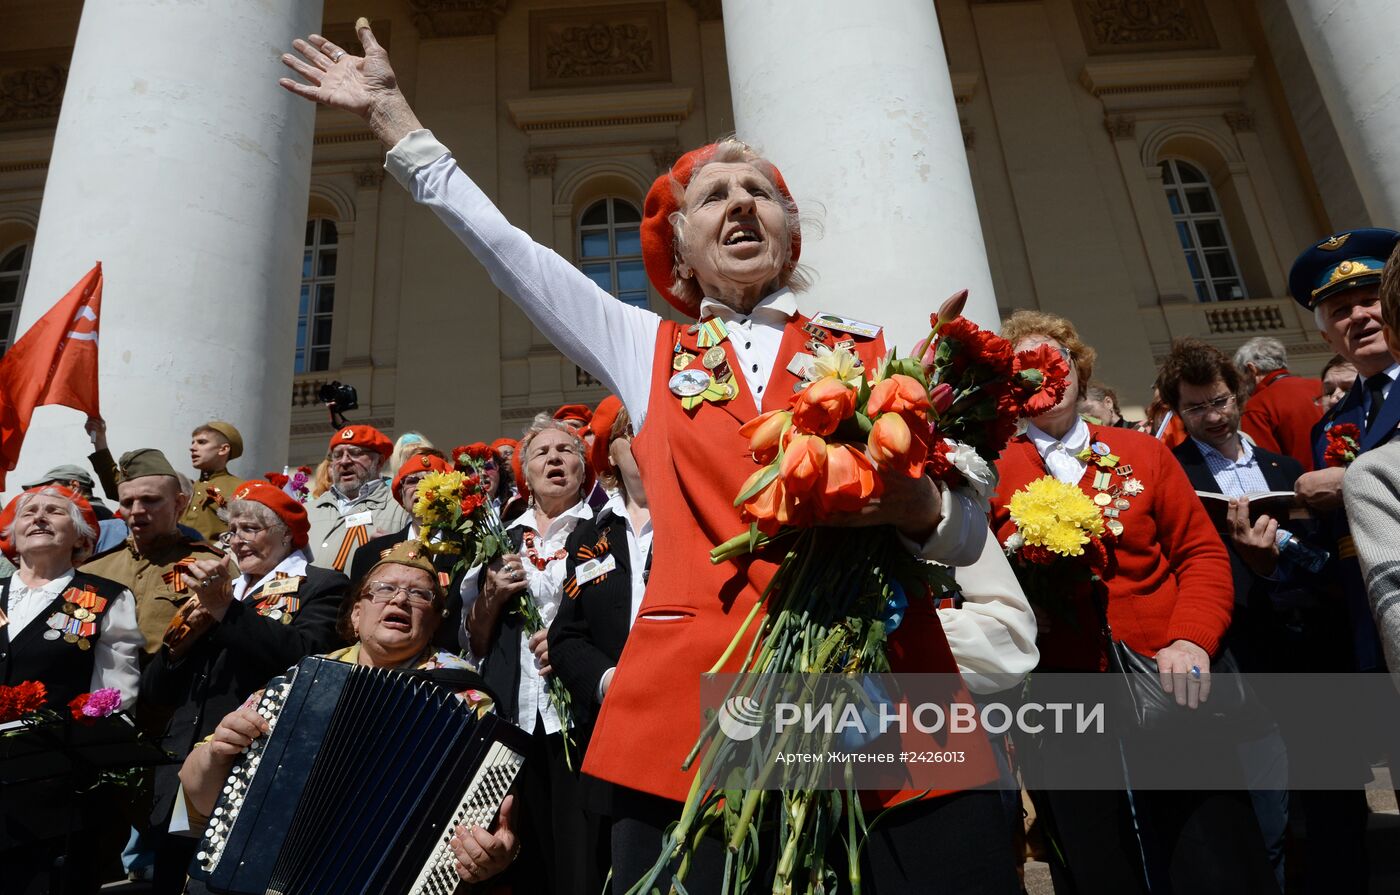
(199, 590)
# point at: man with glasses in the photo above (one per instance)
(359, 505)
(405, 491)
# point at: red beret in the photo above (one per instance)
(7, 516)
(287, 508)
(504, 442)
(416, 464)
(659, 237)
(574, 413)
(367, 437)
(601, 426)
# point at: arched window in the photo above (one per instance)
(1200, 226)
(14, 271)
(317, 299)
(610, 249)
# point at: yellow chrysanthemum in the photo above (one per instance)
(837, 362)
(1059, 517)
(438, 495)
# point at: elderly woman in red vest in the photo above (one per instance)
(721, 242)
(1168, 594)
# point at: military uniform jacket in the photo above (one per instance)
(155, 578)
(260, 636)
(211, 493)
(335, 536)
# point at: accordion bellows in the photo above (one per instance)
(358, 787)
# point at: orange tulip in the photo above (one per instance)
(894, 446)
(820, 407)
(764, 433)
(764, 507)
(851, 480)
(802, 464)
(897, 394)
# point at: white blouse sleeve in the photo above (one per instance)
(115, 658)
(992, 635)
(610, 339)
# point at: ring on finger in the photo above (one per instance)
(335, 57)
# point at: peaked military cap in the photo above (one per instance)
(1340, 262)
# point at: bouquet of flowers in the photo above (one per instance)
(25, 702)
(296, 484)
(1060, 542)
(458, 516)
(98, 704)
(21, 700)
(1343, 445)
(839, 592)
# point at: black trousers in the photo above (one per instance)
(953, 845)
(558, 839)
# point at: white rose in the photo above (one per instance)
(980, 474)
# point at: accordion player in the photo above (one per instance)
(359, 787)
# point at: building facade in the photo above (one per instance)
(1148, 169)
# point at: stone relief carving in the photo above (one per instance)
(32, 94)
(539, 165)
(1240, 121)
(1120, 127)
(1135, 25)
(456, 18)
(599, 45)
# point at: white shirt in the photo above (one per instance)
(756, 336)
(546, 588)
(1393, 371)
(119, 641)
(294, 565)
(638, 552)
(1061, 455)
(994, 630)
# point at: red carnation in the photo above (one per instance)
(21, 700)
(1343, 444)
(277, 479)
(1042, 375)
(75, 706)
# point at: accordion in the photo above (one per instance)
(358, 787)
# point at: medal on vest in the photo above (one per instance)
(689, 383)
(710, 333)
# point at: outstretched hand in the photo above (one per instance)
(362, 85)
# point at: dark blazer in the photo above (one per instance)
(232, 660)
(369, 553)
(1255, 631)
(588, 633)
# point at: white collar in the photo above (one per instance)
(781, 304)
(1246, 451)
(1075, 440)
(54, 587)
(577, 512)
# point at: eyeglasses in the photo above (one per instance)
(1221, 404)
(353, 453)
(383, 592)
(241, 532)
(413, 479)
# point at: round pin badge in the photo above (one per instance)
(51, 634)
(1099, 448)
(1122, 503)
(1102, 499)
(1115, 526)
(689, 383)
(84, 643)
(70, 638)
(713, 358)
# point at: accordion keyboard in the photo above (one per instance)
(479, 804)
(231, 799)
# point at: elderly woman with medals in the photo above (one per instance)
(74, 633)
(238, 631)
(394, 614)
(721, 242)
(1156, 579)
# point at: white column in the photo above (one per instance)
(181, 165)
(853, 103)
(1352, 47)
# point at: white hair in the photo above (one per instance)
(1265, 352)
(262, 514)
(87, 537)
(543, 422)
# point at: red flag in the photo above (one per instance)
(54, 362)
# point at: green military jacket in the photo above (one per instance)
(211, 493)
(156, 579)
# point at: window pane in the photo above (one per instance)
(631, 276)
(1194, 264)
(1219, 264)
(328, 233)
(1227, 289)
(301, 304)
(310, 233)
(325, 298)
(634, 298)
(629, 241)
(327, 266)
(9, 293)
(1199, 201)
(597, 213)
(1183, 233)
(600, 274)
(7, 320)
(1212, 234)
(301, 334)
(1167, 175)
(300, 363)
(1174, 201)
(1189, 173)
(14, 260)
(625, 212)
(321, 359)
(595, 244)
(305, 264)
(1201, 292)
(322, 332)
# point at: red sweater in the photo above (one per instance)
(1281, 413)
(1173, 579)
